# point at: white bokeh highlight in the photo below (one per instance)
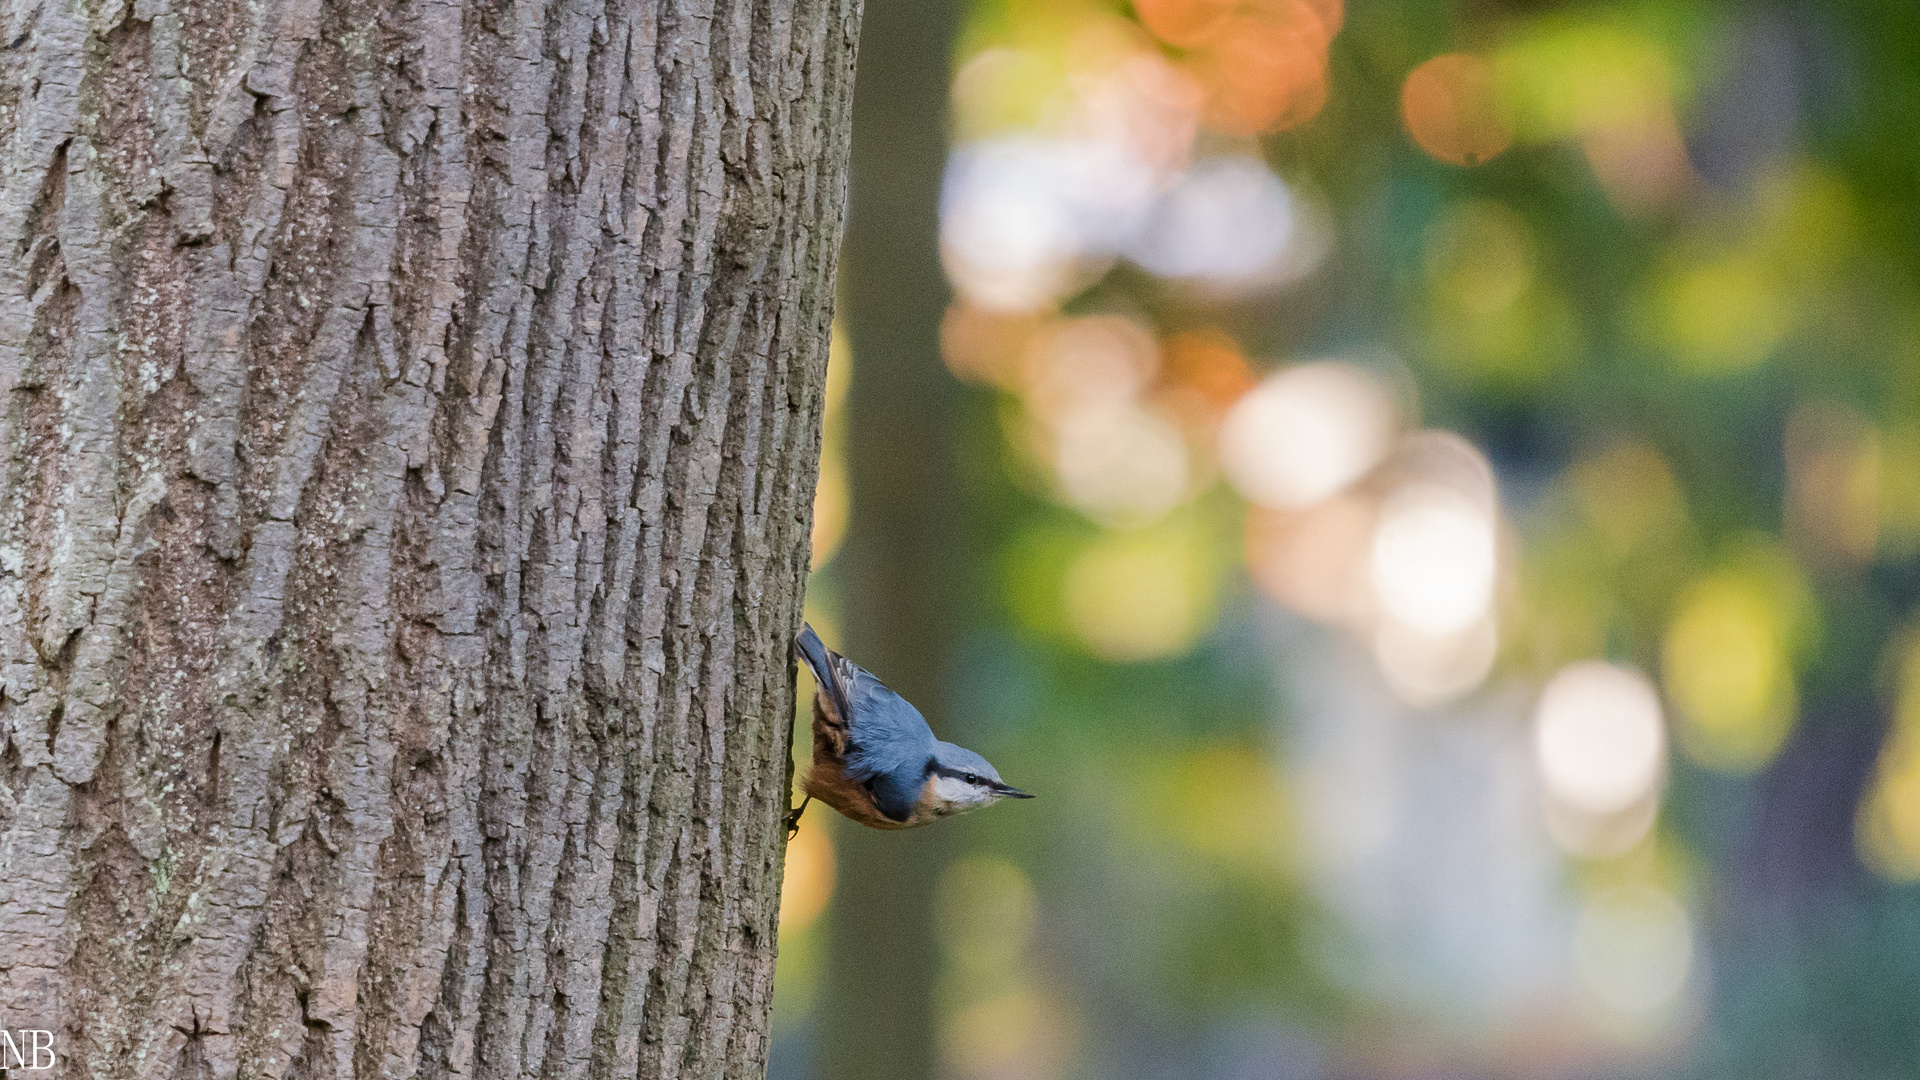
(1434, 559)
(1305, 433)
(1226, 220)
(1599, 738)
(1019, 216)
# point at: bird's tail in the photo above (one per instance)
(821, 660)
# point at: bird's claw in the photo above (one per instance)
(793, 818)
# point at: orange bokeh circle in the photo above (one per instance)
(1452, 109)
(1266, 69)
(1184, 23)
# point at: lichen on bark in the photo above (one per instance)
(409, 413)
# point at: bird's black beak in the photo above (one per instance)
(1012, 792)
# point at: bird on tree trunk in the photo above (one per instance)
(875, 759)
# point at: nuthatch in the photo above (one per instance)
(874, 757)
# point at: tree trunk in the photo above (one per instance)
(410, 422)
(904, 554)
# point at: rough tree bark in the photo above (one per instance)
(409, 412)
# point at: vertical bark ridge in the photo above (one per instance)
(409, 412)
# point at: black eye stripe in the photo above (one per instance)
(936, 769)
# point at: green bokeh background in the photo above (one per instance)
(1680, 400)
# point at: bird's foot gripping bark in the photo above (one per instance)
(793, 817)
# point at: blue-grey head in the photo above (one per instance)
(959, 780)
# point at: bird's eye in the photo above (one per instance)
(972, 779)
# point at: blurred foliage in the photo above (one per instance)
(1675, 303)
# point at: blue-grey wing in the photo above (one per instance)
(896, 794)
(888, 737)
